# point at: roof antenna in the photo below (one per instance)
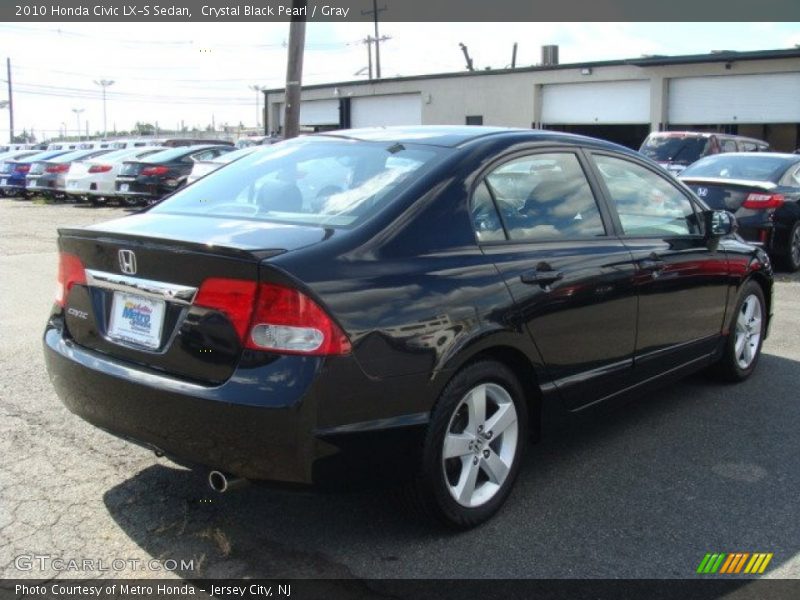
(514, 56)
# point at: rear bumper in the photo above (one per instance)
(247, 426)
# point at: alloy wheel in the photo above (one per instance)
(480, 444)
(748, 331)
(794, 246)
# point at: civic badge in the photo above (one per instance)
(127, 262)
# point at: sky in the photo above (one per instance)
(193, 73)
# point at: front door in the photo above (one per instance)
(681, 278)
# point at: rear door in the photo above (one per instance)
(537, 218)
(681, 278)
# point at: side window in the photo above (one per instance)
(728, 146)
(485, 219)
(748, 147)
(545, 197)
(647, 203)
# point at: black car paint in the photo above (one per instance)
(771, 227)
(417, 302)
(154, 187)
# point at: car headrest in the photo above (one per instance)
(280, 196)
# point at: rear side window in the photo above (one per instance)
(485, 219)
(647, 203)
(728, 146)
(545, 197)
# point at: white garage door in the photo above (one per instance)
(773, 98)
(377, 111)
(316, 112)
(611, 102)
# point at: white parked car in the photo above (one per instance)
(93, 179)
(204, 167)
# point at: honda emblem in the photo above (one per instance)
(127, 262)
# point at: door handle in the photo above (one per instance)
(541, 277)
(653, 263)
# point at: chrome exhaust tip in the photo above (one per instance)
(221, 482)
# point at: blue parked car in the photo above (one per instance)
(13, 172)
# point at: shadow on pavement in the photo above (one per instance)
(641, 492)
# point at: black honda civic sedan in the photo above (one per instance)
(414, 301)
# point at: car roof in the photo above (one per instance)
(459, 135)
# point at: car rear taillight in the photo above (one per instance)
(62, 168)
(274, 317)
(763, 201)
(100, 168)
(70, 272)
(154, 171)
(22, 168)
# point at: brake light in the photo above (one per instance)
(70, 272)
(62, 168)
(100, 168)
(234, 297)
(22, 168)
(151, 171)
(274, 317)
(763, 201)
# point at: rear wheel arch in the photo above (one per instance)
(523, 369)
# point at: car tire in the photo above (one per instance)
(746, 335)
(467, 488)
(791, 258)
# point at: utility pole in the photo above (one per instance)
(258, 89)
(78, 112)
(374, 12)
(294, 70)
(104, 83)
(368, 43)
(10, 104)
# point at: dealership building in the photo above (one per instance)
(755, 94)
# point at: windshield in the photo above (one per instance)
(761, 167)
(668, 148)
(310, 180)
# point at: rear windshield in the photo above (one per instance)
(310, 180)
(758, 167)
(677, 149)
(79, 154)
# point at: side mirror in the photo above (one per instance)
(719, 223)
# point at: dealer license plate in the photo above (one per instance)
(136, 319)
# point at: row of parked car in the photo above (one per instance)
(130, 172)
(728, 172)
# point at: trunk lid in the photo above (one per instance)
(130, 168)
(38, 167)
(143, 274)
(726, 194)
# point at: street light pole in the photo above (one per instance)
(104, 83)
(78, 112)
(258, 89)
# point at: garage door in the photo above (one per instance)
(316, 112)
(611, 102)
(769, 98)
(376, 111)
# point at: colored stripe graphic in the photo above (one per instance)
(734, 563)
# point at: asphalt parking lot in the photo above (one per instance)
(643, 492)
